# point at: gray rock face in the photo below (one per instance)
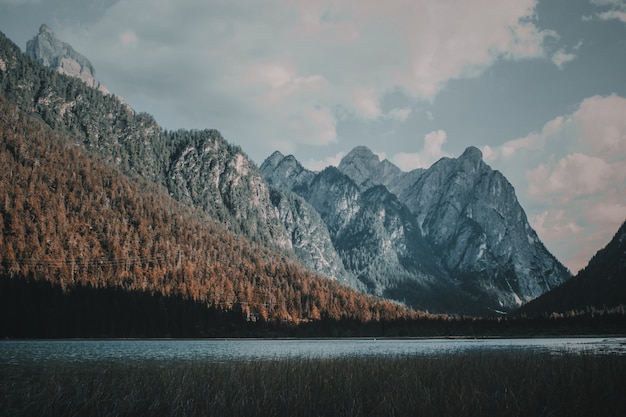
(53, 53)
(451, 238)
(470, 215)
(206, 172)
(310, 238)
(366, 169)
(285, 172)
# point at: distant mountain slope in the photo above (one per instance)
(601, 284)
(452, 238)
(73, 221)
(197, 167)
(470, 215)
(309, 237)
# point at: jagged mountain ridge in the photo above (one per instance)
(455, 228)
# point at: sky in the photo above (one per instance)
(538, 85)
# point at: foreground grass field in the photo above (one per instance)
(468, 384)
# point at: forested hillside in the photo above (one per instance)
(199, 167)
(75, 222)
(599, 287)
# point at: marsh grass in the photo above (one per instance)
(467, 384)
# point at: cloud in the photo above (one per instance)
(571, 177)
(431, 152)
(489, 154)
(555, 224)
(613, 15)
(604, 125)
(319, 165)
(280, 81)
(365, 102)
(264, 72)
(453, 40)
(561, 58)
(616, 10)
(399, 114)
(556, 227)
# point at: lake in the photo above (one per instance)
(16, 352)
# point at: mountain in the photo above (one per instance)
(452, 238)
(309, 237)
(106, 220)
(199, 168)
(441, 239)
(601, 284)
(60, 56)
(470, 215)
(73, 222)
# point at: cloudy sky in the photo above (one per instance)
(538, 85)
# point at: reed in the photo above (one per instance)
(465, 384)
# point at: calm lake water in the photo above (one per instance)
(18, 352)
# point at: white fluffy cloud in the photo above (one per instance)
(400, 114)
(318, 165)
(572, 176)
(265, 72)
(616, 10)
(365, 102)
(431, 152)
(561, 58)
(604, 125)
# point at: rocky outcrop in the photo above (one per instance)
(310, 239)
(206, 172)
(60, 56)
(470, 215)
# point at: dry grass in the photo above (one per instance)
(469, 384)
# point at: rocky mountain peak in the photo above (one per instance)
(359, 164)
(273, 160)
(366, 169)
(362, 153)
(473, 153)
(422, 236)
(472, 159)
(46, 48)
(285, 171)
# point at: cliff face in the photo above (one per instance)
(60, 56)
(470, 215)
(453, 233)
(206, 172)
(310, 238)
